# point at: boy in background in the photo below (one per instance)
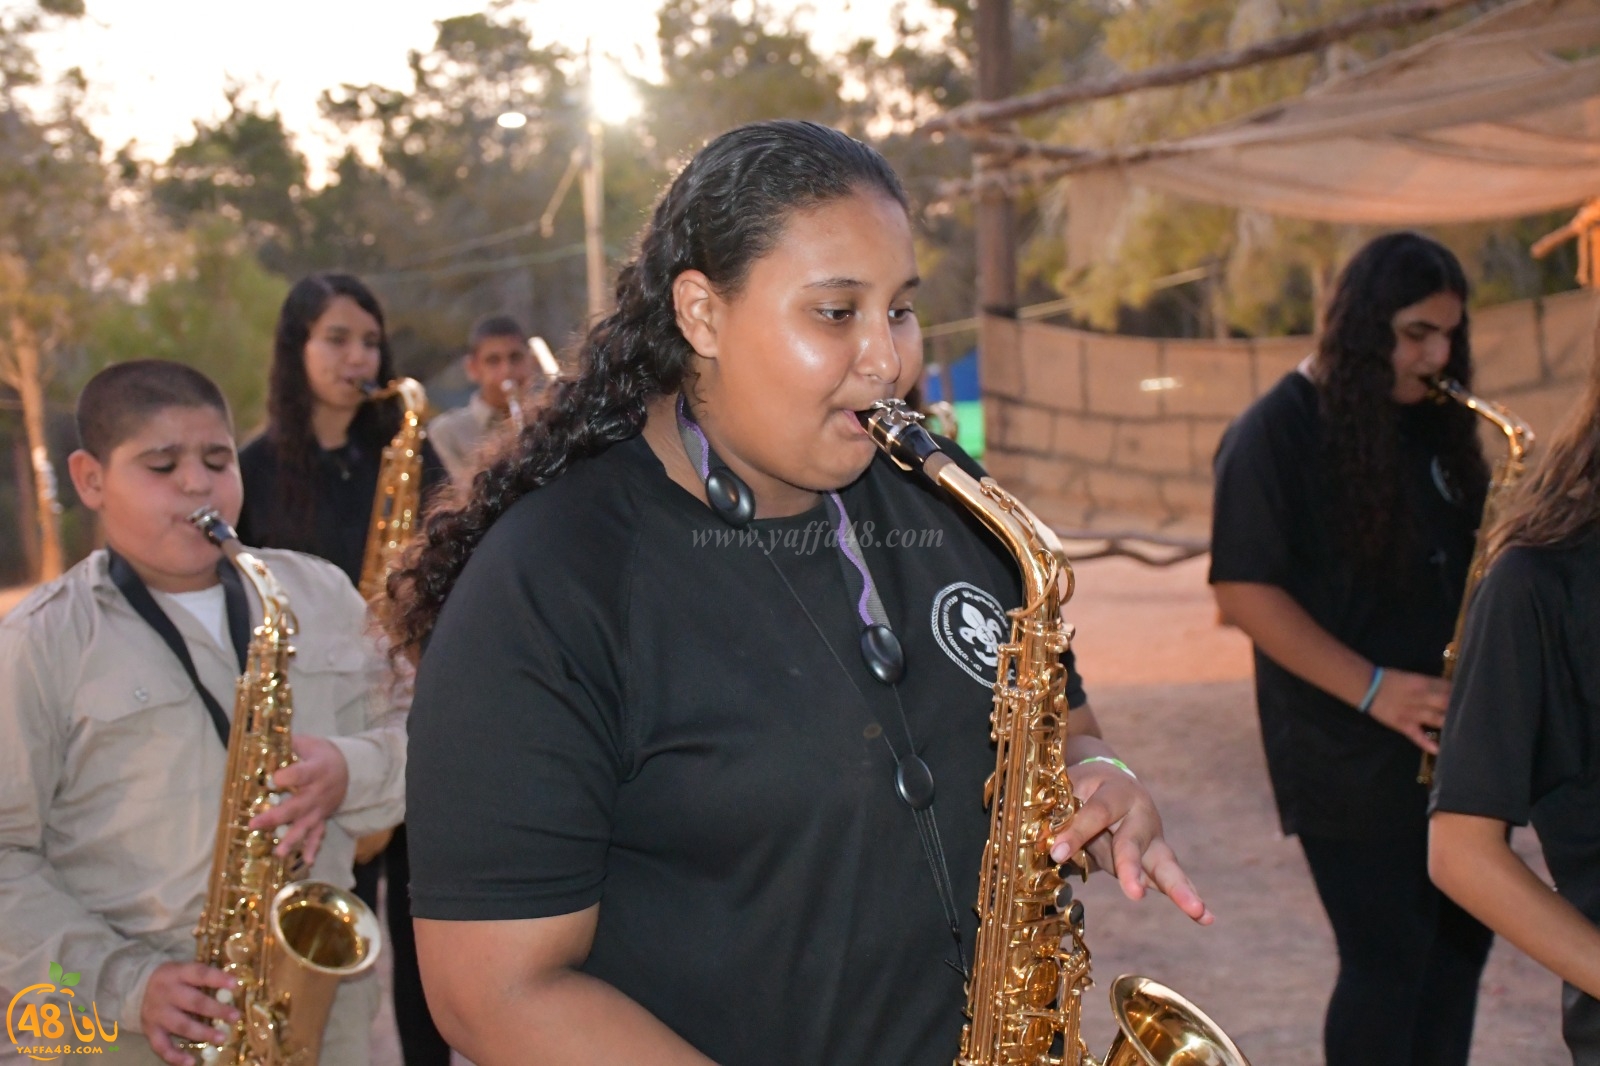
(497, 354)
(111, 765)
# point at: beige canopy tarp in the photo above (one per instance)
(1498, 118)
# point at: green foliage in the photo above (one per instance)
(444, 225)
(53, 199)
(216, 313)
(708, 46)
(19, 66)
(244, 168)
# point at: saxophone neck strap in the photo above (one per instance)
(735, 504)
(133, 589)
(880, 649)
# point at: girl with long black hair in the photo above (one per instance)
(310, 478)
(1522, 741)
(652, 781)
(309, 483)
(1346, 505)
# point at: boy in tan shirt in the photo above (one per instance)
(499, 363)
(111, 766)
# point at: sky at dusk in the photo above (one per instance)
(154, 66)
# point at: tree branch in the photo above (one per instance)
(1006, 160)
(1383, 18)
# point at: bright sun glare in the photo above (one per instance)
(611, 94)
(134, 94)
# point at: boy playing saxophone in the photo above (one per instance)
(111, 762)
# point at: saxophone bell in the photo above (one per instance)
(1158, 1027)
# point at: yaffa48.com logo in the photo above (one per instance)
(46, 1021)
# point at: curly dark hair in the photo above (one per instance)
(1354, 359)
(723, 212)
(289, 398)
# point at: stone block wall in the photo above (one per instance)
(1113, 434)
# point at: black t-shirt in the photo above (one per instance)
(1522, 739)
(1335, 772)
(345, 482)
(622, 703)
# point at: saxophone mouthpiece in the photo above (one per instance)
(897, 430)
(210, 522)
(1442, 389)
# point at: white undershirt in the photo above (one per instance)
(208, 606)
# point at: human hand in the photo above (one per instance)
(176, 998)
(1120, 828)
(314, 786)
(1411, 704)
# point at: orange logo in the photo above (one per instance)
(39, 1018)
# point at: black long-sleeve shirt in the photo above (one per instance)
(346, 480)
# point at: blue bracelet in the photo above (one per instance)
(1365, 706)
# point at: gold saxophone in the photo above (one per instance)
(1507, 472)
(287, 942)
(1031, 964)
(394, 512)
(399, 496)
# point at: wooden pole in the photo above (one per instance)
(996, 222)
(594, 208)
(27, 524)
(25, 351)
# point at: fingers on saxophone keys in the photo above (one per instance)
(161, 1044)
(272, 815)
(1091, 820)
(205, 1005)
(290, 836)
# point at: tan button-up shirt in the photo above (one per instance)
(111, 770)
(458, 433)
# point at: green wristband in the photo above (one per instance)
(1110, 761)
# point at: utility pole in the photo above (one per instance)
(996, 224)
(594, 189)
